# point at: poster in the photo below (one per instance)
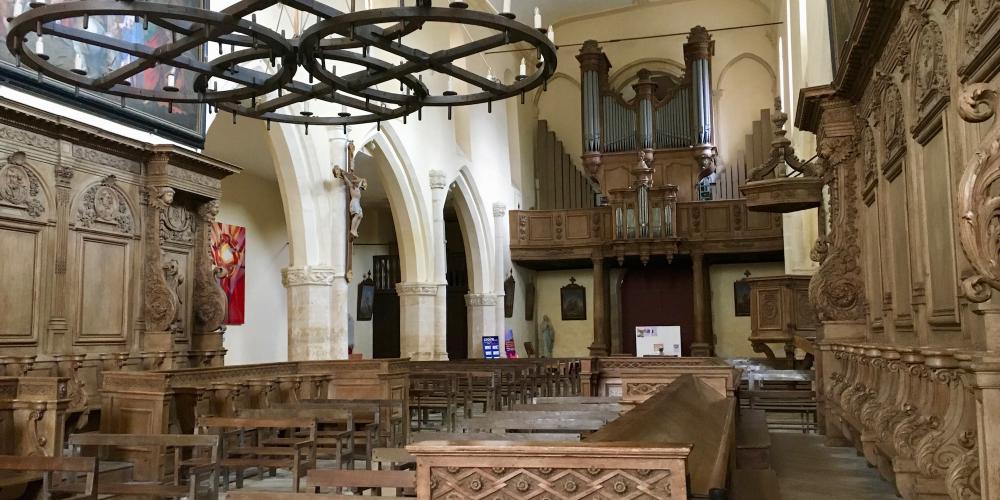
(491, 347)
(229, 254)
(658, 341)
(508, 344)
(184, 122)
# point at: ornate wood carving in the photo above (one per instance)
(21, 187)
(930, 80)
(977, 206)
(160, 299)
(837, 289)
(105, 206)
(209, 298)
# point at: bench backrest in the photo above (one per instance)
(416, 437)
(171, 440)
(49, 465)
(332, 478)
(249, 422)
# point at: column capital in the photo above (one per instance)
(429, 289)
(308, 275)
(499, 209)
(438, 179)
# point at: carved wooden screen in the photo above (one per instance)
(26, 219)
(103, 261)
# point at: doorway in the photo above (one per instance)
(658, 294)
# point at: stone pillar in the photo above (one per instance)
(339, 307)
(481, 309)
(701, 345)
(500, 228)
(438, 194)
(310, 295)
(417, 320)
(601, 345)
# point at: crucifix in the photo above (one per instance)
(354, 185)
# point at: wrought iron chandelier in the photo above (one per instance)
(229, 61)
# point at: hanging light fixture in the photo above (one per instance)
(351, 39)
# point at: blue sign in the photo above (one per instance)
(491, 347)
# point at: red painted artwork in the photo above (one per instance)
(229, 251)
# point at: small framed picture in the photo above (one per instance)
(741, 296)
(573, 301)
(366, 299)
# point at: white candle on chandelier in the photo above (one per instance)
(79, 62)
(538, 19)
(552, 34)
(523, 69)
(450, 89)
(172, 78)
(506, 7)
(489, 75)
(39, 46)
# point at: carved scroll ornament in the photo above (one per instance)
(209, 298)
(160, 299)
(836, 290)
(979, 230)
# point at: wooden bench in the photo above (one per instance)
(418, 437)
(392, 459)
(297, 455)
(336, 434)
(195, 458)
(550, 421)
(27, 469)
(358, 480)
(753, 440)
(577, 400)
(600, 407)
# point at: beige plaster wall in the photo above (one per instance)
(255, 203)
(572, 338)
(731, 331)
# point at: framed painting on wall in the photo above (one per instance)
(366, 298)
(508, 296)
(183, 123)
(573, 301)
(229, 251)
(741, 295)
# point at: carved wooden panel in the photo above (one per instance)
(898, 236)
(577, 226)
(942, 284)
(540, 228)
(769, 309)
(20, 273)
(104, 277)
(718, 220)
(502, 483)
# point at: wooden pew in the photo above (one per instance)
(583, 400)
(418, 437)
(753, 441)
(28, 468)
(359, 480)
(550, 407)
(297, 456)
(551, 421)
(336, 435)
(188, 470)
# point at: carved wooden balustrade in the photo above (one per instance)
(913, 413)
(723, 226)
(635, 379)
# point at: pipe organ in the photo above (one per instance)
(682, 118)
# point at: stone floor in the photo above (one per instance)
(807, 470)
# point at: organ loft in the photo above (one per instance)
(512, 249)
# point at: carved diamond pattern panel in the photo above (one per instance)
(498, 483)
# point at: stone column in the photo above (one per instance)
(438, 194)
(310, 294)
(601, 346)
(481, 309)
(417, 320)
(500, 228)
(339, 307)
(700, 346)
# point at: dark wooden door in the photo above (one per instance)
(457, 317)
(385, 319)
(658, 295)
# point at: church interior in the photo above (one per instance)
(500, 249)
